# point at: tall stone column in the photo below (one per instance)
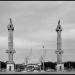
(59, 51)
(10, 51)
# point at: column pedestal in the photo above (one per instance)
(60, 67)
(10, 67)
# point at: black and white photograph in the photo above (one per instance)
(37, 37)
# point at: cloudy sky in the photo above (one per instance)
(35, 22)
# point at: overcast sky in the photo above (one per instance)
(35, 22)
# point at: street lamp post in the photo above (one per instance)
(69, 65)
(43, 56)
(0, 64)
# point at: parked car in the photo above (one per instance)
(29, 68)
(49, 70)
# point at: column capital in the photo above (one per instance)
(59, 28)
(10, 51)
(10, 26)
(59, 51)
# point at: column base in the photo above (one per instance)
(60, 67)
(10, 67)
